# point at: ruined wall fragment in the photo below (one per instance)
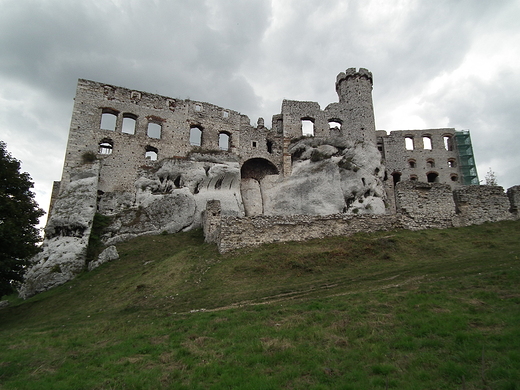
(479, 204)
(425, 205)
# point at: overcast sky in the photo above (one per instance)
(442, 63)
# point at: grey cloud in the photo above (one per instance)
(248, 55)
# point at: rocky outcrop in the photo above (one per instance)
(329, 176)
(66, 235)
(173, 196)
(110, 253)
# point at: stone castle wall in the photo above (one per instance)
(430, 152)
(421, 206)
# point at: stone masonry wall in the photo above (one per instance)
(440, 159)
(419, 206)
(513, 194)
(424, 205)
(253, 231)
(479, 204)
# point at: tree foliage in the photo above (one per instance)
(19, 214)
(491, 178)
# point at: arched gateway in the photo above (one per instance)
(252, 184)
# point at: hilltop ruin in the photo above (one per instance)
(156, 164)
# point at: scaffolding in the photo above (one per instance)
(466, 158)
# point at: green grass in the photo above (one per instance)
(436, 309)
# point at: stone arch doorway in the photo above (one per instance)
(252, 184)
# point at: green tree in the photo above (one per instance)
(491, 178)
(19, 214)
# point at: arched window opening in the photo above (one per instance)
(195, 136)
(334, 124)
(108, 120)
(412, 163)
(408, 143)
(151, 153)
(432, 177)
(269, 145)
(257, 168)
(427, 142)
(397, 177)
(129, 121)
(448, 142)
(307, 127)
(430, 163)
(224, 141)
(106, 146)
(452, 163)
(454, 178)
(413, 177)
(154, 130)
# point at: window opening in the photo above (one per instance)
(223, 141)
(412, 163)
(154, 130)
(408, 142)
(334, 124)
(427, 142)
(195, 136)
(225, 114)
(129, 122)
(430, 163)
(198, 107)
(151, 153)
(397, 177)
(254, 144)
(307, 128)
(454, 178)
(413, 177)
(433, 177)
(452, 163)
(108, 120)
(448, 142)
(269, 145)
(106, 146)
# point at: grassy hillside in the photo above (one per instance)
(436, 309)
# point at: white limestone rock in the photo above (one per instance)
(110, 253)
(173, 197)
(313, 189)
(66, 235)
(329, 178)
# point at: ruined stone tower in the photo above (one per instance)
(354, 90)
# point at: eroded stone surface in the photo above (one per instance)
(109, 253)
(330, 176)
(67, 234)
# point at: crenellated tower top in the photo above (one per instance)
(353, 73)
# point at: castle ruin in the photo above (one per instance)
(156, 164)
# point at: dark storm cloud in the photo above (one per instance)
(248, 55)
(166, 45)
